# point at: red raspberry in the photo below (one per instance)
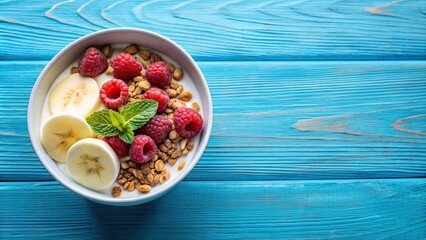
(188, 122)
(159, 74)
(125, 67)
(158, 128)
(114, 93)
(92, 63)
(118, 145)
(142, 149)
(157, 95)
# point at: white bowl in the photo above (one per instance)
(71, 53)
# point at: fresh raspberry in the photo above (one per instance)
(142, 149)
(92, 63)
(114, 93)
(125, 67)
(158, 128)
(188, 122)
(159, 74)
(157, 95)
(118, 145)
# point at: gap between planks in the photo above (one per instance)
(287, 181)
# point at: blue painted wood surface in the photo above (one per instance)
(305, 121)
(331, 94)
(227, 30)
(343, 209)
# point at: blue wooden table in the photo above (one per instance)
(319, 120)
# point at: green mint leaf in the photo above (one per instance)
(133, 116)
(117, 119)
(136, 114)
(100, 123)
(127, 135)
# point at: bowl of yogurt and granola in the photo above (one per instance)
(120, 116)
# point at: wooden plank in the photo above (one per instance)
(227, 30)
(276, 120)
(372, 209)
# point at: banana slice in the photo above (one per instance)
(75, 94)
(93, 163)
(60, 132)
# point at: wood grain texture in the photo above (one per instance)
(276, 120)
(376, 209)
(226, 29)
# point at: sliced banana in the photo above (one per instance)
(93, 163)
(60, 132)
(75, 94)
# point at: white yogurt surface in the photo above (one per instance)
(188, 85)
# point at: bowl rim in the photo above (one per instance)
(84, 191)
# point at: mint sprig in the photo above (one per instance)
(101, 123)
(133, 116)
(117, 120)
(127, 135)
